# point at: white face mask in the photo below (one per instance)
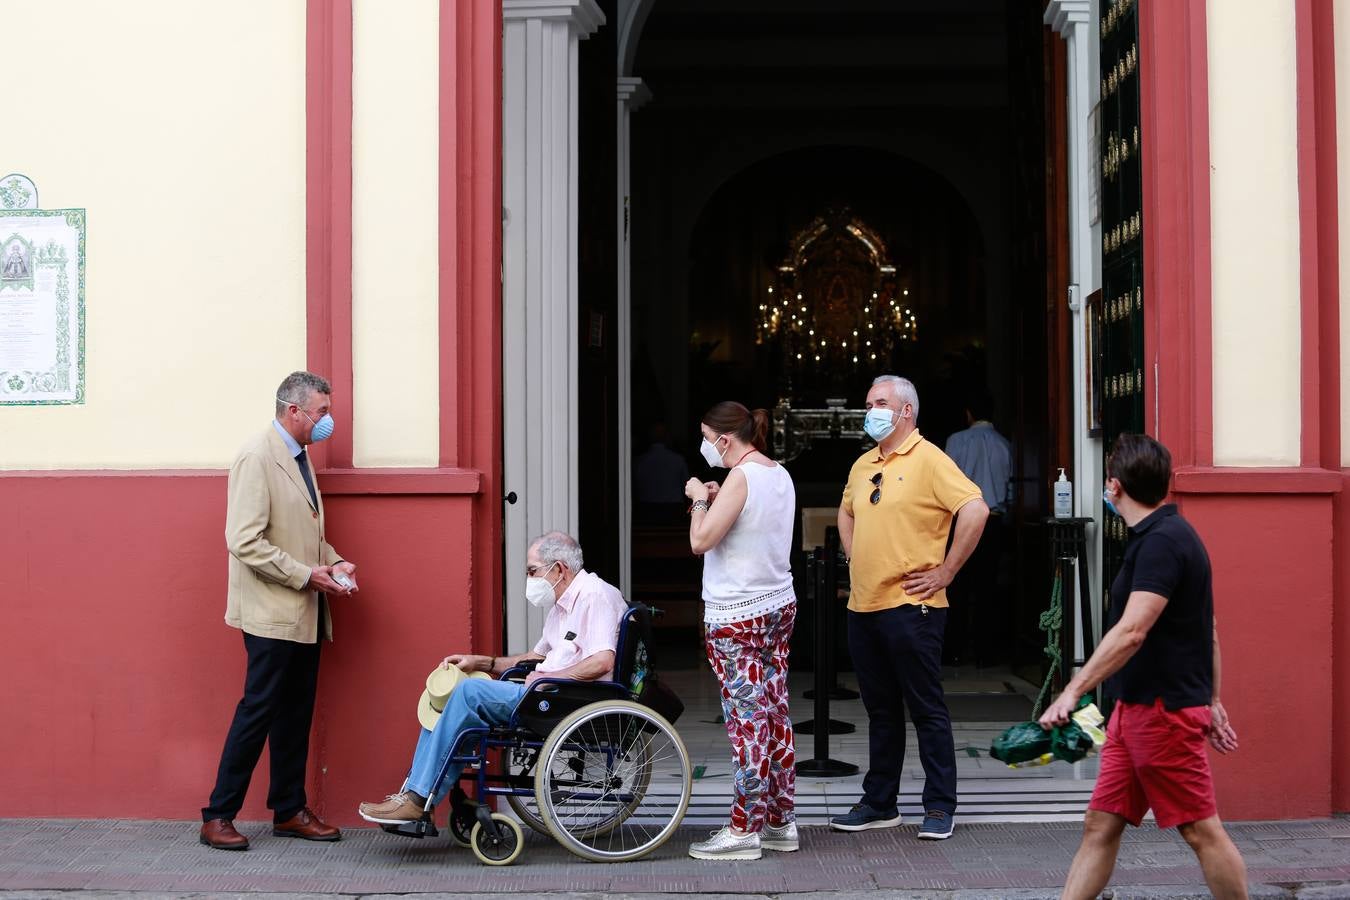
(539, 591)
(710, 454)
(879, 422)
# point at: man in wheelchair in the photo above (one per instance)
(578, 643)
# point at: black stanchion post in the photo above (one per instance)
(826, 561)
(827, 595)
(825, 632)
(826, 676)
(1084, 595)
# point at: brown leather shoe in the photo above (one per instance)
(396, 809)
(306, 826)
(220, 834)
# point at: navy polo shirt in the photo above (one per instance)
(1165, 556)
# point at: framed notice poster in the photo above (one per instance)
(42, 307)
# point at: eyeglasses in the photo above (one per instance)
(876, 495)
(318, 413)
(532, 571)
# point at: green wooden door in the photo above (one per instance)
(1119, 364)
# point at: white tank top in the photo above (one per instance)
(748, 573)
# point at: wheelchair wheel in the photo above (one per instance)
(573, 764)
(522, 762)
(462, 820)
(613, 781)
(523, 805)
(567, 764)
(639, 759)
(494, 851)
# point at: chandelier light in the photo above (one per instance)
(837, 300)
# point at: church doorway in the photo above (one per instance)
(862, 155)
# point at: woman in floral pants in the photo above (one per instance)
(750, 659)
(744, 531)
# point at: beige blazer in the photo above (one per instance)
(274, 536)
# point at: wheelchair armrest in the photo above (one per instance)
(519, 670)
(546, 685)
(549, 700)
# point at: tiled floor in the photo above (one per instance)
(989, 790)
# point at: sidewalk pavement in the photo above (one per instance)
(38, 856)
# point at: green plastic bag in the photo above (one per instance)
(1022, 744)
(1028, 744)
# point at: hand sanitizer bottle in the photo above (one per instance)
(1063, 497)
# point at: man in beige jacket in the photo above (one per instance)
(281, 568)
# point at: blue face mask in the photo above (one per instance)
(878, 423)
(323, 429)
(1106, 498)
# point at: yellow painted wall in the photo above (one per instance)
(181, 128)
(1341, 17)
(395, 144)
(1255, 249)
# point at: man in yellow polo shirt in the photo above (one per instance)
(897, 511)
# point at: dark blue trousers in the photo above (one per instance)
(277, 708)
(897, 655)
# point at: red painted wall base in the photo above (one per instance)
(120, 675)
(1339, 691)
(1272, 560)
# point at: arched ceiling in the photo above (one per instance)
(880, 55)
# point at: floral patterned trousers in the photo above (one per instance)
(750, 659)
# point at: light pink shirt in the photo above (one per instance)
(584, 622)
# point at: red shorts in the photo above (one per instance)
(1156, 758)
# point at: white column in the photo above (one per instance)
(1072, 19)
(539, 281)
(632, 94)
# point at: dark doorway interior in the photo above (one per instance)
(598, 360)
(927, 121)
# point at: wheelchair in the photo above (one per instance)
(593, 764)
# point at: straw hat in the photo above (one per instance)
(441, 683)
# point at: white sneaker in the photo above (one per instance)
(725, 845)
(782, 838)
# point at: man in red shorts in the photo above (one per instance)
(1161, 655)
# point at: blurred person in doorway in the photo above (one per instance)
(659, 474)
(980, 622)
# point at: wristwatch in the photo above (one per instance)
(699, 504)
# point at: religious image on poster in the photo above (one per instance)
(42, 306)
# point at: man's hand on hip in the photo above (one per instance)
(321, 579)
(924, 583)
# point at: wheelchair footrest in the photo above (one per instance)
(419, 829)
